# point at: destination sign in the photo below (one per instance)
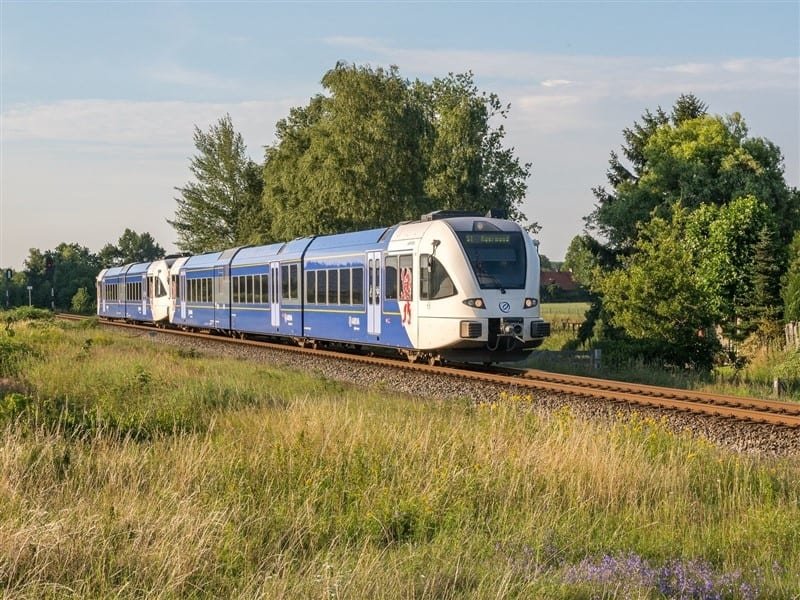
(487, 238)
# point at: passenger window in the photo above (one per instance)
(311, 287)
(344, 286)
(390, 285)
(406, 264)
(357, 281)
(333, 286)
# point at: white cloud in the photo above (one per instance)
(174, 74)
(556, 82)
(164, 125)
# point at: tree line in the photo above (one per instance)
(64, 277)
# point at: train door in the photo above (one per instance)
(374, 293)
(182, 294)
(222, 291)
(275, 294)
(144, 294)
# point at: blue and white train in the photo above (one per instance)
(450, 287)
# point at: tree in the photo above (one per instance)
(82, 302)
(138, 248)
(131, 248)
(724, 241)
(377, 150)
(580, 260)
(610, 217)
(656, 298)
(222, 207)
(349, 160)
(790, 291)
(467, 166)
(695, 159)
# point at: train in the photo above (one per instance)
(450, 287)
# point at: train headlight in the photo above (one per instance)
(531, 302)
(475, 303)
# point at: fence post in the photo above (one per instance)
(596, 356)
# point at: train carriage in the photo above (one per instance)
(202, 291)
(111, 292)
(343, 300)
(122, 293)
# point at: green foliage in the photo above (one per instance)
(349, 160)
(131, 248)
(580, 260)
(725, 242)
(377, 150)
(790, 291)
(222, 207)
(699, 160)
(13, 353)
(74, 267)
(656, 298)
(82, 302)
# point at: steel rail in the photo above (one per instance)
(772, 412)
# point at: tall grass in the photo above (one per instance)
(135, 469)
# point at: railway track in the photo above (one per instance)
(771, 412)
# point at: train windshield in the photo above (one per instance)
(498, 258)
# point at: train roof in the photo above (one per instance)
(256, 254)
(211, 259)
(137, 268)
(370, 239)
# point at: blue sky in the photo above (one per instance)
(99, 99)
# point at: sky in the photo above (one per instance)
(99, 100)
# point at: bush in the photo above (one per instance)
(82, 302)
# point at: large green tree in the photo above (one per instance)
(350, 159)
(693, 160)
(222, 206)
(130, 248)
(377, 149)
(656, 298)
(739, 212)
(467, 166)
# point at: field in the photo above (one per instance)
(132, 469)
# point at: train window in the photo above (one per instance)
(357, 281)
(264, 288)
(294, 289)
(322, 286)
(256, 289)
(344, 286)
(333, 286)
(406, 264)
(234, 289)
(290, 282)
(435, 281)
(390, 285)
(285, 282)
(311, 287)
(251, 292)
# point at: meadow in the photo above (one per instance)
(132, 469)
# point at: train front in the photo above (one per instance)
(495, 267)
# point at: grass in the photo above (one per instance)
(129, 469)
